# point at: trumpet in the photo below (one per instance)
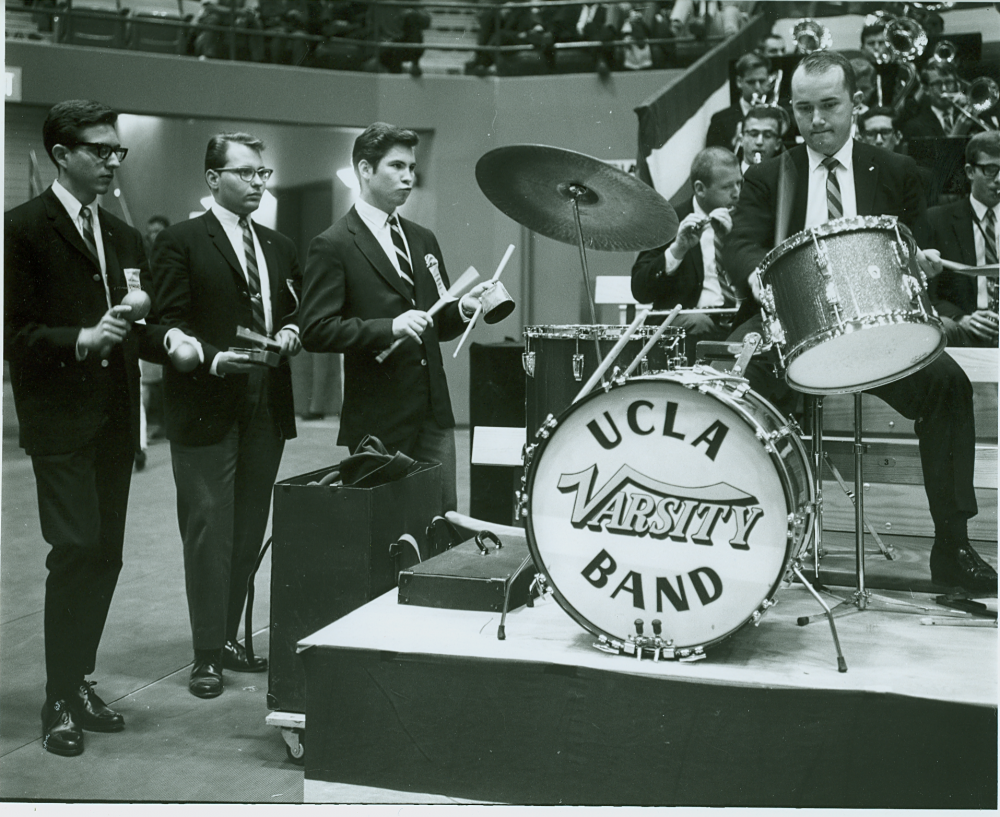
(770, 96)
(811, 35)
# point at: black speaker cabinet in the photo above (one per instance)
(496, 398)
(330, 554)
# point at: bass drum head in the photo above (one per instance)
(656, 501)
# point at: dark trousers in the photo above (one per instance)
(82, 499)
(434, 444)
(223, 502)
(938, 398)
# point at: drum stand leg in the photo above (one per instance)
(576, 192)
(860, 600)
(841, 663)
(817, 464)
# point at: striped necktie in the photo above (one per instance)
(253, 279)
(728, 293)
(87, 224)
(834, 203)
(988, 226)
(402, 256)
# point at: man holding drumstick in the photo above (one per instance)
(370, 279)
(830, 177)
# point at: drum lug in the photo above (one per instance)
(766, 605)
(644, 367)
(528, 362)
(578, 367)
(546, 428)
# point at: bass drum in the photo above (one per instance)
(671, 502)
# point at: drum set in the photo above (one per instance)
(665, 505)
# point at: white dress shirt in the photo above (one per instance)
(982, 298)
(234, 232)
(73, 208)
(817, 211)
(711, 289)
(378, 222)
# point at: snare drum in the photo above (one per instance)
(677, 500)
(846, 308)
(559, 359)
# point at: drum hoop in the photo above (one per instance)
(838, 226)
(783, 476)
(603, 331)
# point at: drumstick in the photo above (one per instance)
(989, 270)
(605, 364)
(464, 282)
(479, 309)
(652, 341)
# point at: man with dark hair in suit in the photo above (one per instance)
(228, 418)
(688, 271)
(369, 279)
(761, 138)
(965, 231)
(75, 376)
(832, 176)
(937, 116)
(753, 78)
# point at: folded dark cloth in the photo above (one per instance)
(371, 464)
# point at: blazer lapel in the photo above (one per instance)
(225, 246)
(62, 224)
(373, 251)
(117, 284)
(865, 179)
(965, 233)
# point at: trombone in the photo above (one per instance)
(973, 98)
(905, 41)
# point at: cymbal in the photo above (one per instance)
(536, 185)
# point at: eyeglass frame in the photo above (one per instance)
(265, 173)
(118, 151)
(985, 172)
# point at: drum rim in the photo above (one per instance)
(836, 227)
(603, 328)
(871, 384)
(781, 469)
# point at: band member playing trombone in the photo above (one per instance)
(829, 177)
(688, 271)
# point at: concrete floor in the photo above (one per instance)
(176, 748)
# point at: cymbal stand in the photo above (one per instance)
(575, 192)
(862, 598)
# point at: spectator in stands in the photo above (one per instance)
(506, 23)
(397, 25)
(965, 231)
(589, 22)
(762, 129)
(774, 45)
(344, 25)
(637, 53)
(753, 78)
(153, 227)
(688, 271)
(715, 18)
(210, 44)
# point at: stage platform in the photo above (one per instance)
(428, 701)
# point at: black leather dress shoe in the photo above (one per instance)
(963, 567)
(61, 734)
(206, 677)
(91, 713)
(234, 657)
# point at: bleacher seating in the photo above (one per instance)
(157, 31)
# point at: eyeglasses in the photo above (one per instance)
(990, 170)
(874, 133)
(246, 174)
(104, 151)
(944, 84)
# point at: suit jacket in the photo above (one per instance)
(351, 293)
(683, 287)
(199, 287)
(924, 124)
(52, 289)
(950, 230)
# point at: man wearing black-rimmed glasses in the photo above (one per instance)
(73, 356)
(227, 419)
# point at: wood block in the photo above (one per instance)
(904, 509)
(898, 461)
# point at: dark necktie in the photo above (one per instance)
(402, 256)
(728, 294)
(834, 203)
(253, 279)
(949, 122)
(988, 226)
(87, 223)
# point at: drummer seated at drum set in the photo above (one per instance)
(836, 189)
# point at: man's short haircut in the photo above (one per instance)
(863, 67)
(751, 62)
(819, 62)
(767, 112)
(876, 111)
(158, 220)
(218, 146)
(987, 142)
(708, 160)
(937, 67)
(377, 140)
(871, 31)
(66, 120)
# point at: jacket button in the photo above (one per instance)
(104, 363)
(97, 277)
(423, 362)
